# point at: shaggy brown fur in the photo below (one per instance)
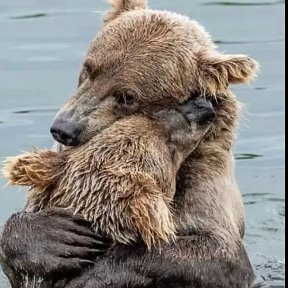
(156, 58)
(142, 52)
(122, 180)
(172, 58)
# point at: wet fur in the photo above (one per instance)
(175, 57)
(118, 181)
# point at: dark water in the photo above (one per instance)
(42, 45)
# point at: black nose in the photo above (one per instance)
(198, 110)
(205, 111)
(65, 133)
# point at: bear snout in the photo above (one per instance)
(66, 132)
(205, 111)
(198, 110)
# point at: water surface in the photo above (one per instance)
(43, 43)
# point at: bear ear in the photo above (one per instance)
(120, 6)
(218, 71)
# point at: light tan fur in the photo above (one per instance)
(161, 59)
(176, 56)
(122, 181)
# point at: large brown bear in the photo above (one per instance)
(140, 53)
(123, 180)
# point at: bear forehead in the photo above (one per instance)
(149, 51)
(140, 34)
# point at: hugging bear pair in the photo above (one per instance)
(123, 179)
(150, 86)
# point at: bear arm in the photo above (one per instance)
(53, 242)
(36, 169)
(191, 261)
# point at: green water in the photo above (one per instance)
(41, 47)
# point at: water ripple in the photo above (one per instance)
(270, 273)
(28, 16)
(245, 156)
(45, 110)
(248, 41)
(230, 3)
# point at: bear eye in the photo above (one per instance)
(124, 99)
(89, 70)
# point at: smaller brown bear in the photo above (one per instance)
(122, 180)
